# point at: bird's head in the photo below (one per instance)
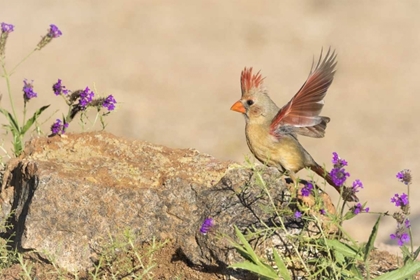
(255, 103)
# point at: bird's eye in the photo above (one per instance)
(249, 102)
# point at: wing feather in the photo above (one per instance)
(303, 110)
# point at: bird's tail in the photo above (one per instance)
(347, 195)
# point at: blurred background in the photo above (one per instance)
(174, 68)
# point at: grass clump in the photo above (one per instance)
(124, 258)
(320, 248)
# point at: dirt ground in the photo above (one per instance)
(174, 69)
(170, 266)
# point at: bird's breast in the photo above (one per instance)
(282, 152)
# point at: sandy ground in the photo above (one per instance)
(174, 68)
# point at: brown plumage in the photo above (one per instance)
(271, 132)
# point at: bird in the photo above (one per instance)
(272, 132)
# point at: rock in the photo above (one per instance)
(65, 195)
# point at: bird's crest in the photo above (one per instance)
(250, 81)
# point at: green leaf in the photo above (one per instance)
(31, 121)
(343, 248)
(349, 215)
(339, 257)
(416, 253)
(372, 237)
(14, 127)
(15, 130)
(253, 263)
(281, 266)
(246, 249)
(404, 272)
(356, 272)
(265, 271)
(406, 253)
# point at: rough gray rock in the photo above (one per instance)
(68, 194)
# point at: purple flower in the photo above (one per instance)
(358, 208)
(337, 161)
(339, 176)
(404, 176)
(109, 103)
(207, 225)
(357, 184)
(298, 214)
(401, 233)
(28, 90)
(338, 173)
(86, 97)
(404, 199)
(400, 200)
(54, 31)
(59, 89)
(7, 28)
(402, 237)
(322, 211)
(306, 190)
(58, 127)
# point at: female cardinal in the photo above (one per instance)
(271, 132)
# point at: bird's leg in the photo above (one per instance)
(294, 178)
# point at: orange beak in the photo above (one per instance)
(238, 107)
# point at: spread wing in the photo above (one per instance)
(301, 114)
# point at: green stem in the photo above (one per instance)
(282, 225)
(96, 119)
(319, 225)
(409, 229)
(24, 112)
(65, 99)
(9, 90)
(25, 58)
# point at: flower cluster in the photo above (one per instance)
(402, 234)
(109, 103)
(404, 176)
(338, 162)
(207, 225)
(338, 173)
(52, 33)
(85, 98)
(357, 184)
(298, 215)
(79, 101)
(400, 200)
(339, 176)
(306, 190)
(5, 30)
(28, 90)
(358, 208)
(58, 127)
(58, 88)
